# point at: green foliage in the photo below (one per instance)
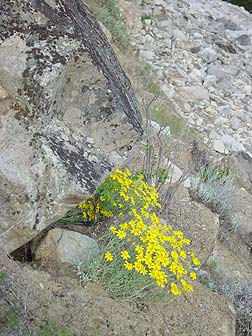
(216, 173)
(109, 14)
(161, 174)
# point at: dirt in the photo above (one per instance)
(48, 292)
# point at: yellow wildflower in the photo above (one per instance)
(174, 289)
(121, 234)
(108, 256)
(113, 229)
(125, 255)
(193, 275)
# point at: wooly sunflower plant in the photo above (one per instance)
(141, 258)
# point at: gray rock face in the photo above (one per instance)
(66, 246)
(67, 112)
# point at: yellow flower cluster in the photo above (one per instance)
(119, 191)
(157, 251)
(147, 246)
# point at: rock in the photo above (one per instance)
(208, 55)
(160, 3)
(219, 147)
(147, 54)
(225, 109)
(214, 135)
(64, 85)
(197, 36)
(230, 25)
(233, 258)
(221, 72)
(194, 92)
(242, 163)
(148, 42)
(175, 172)
(221, 121)
(236, 124)
(248, 69)
(244, 40)
(247, 89)
(210, 80)
(243, 212)
(66, 246)
(232, 144)
(3, 93)
(178, 34)
(106, 32)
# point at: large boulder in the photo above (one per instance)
(68, 113)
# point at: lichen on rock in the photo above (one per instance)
(67, 112)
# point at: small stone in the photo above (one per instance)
(197, 36)
(178, 34)
(235, 122)
(222, 72)
(239, 114)
(230, 25)
(208, 55)
(219, 146)
(244, 40)
(214, 135)
(247, 89)
(209, 80)
(232, 143)
(199, 121)
(3, 93)
(224, 109)
(147, 54)
(194, 92)
(148, 41)
(220, 121)
(160, 3)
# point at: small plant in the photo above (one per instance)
(241, 296)
(141, 258)
(109, 14)
(216, 189)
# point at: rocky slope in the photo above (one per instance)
(200, 52)
(69, 116)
